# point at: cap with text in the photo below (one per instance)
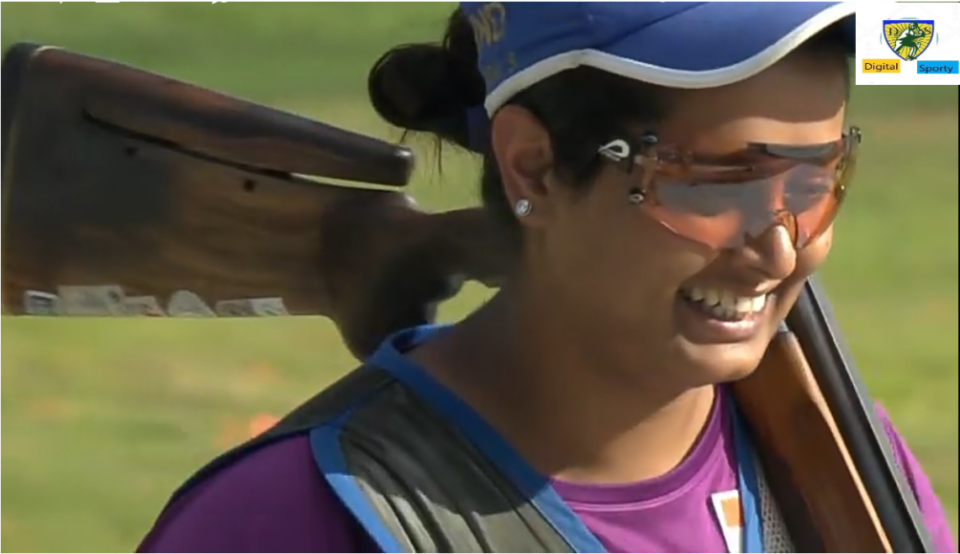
(673, 44)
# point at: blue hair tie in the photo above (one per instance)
(478, 126)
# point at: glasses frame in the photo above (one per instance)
(758, 161)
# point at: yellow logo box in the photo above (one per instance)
(881, 66)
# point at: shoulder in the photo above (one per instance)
(272, 500)
(930, 506)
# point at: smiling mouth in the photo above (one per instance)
(724, 305)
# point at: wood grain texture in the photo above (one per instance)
(117, 176)
(789, 416)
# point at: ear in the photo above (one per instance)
(525, 159)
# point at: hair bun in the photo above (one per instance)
(428, 87)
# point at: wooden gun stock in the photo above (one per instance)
(803, 450)
(822, 445)
(240, 133)
(852, 408)
(113, 175)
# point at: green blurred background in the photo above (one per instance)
(101, 419)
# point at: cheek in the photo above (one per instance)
(625, 256)
(812, 257)
(808, 261)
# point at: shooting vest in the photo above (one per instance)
(416, 484)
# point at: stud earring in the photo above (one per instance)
(522, 207)
(636, 197)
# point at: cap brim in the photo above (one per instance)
(710, 45)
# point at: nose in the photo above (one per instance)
(771, 254)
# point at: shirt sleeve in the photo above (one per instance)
(933, 513)
(273, 500)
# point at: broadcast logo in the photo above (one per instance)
(903, 43)
(908, 38)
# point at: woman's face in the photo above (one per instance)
(642, 290)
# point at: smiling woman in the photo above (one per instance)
(671, 173)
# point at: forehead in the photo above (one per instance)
(800, 100)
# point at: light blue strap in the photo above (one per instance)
(748, 485)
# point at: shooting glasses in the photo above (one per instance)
(723, 201)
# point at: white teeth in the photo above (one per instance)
(729, 300)
(711, 297)
(726, 304)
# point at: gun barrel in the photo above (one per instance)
(813, 323)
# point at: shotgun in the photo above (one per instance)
(126, 193)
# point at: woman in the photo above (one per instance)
(583, 407)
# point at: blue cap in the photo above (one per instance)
(673, 44)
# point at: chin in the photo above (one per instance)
(722, 363)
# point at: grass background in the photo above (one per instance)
(102, 419)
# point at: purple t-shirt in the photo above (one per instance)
(276, 500)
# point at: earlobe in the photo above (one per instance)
(523, 207)
(524, 157)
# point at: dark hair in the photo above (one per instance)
(431, 87)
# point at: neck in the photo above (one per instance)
(563, 404)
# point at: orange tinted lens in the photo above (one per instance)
(804, 199)
(725, 215)
(843, 175)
